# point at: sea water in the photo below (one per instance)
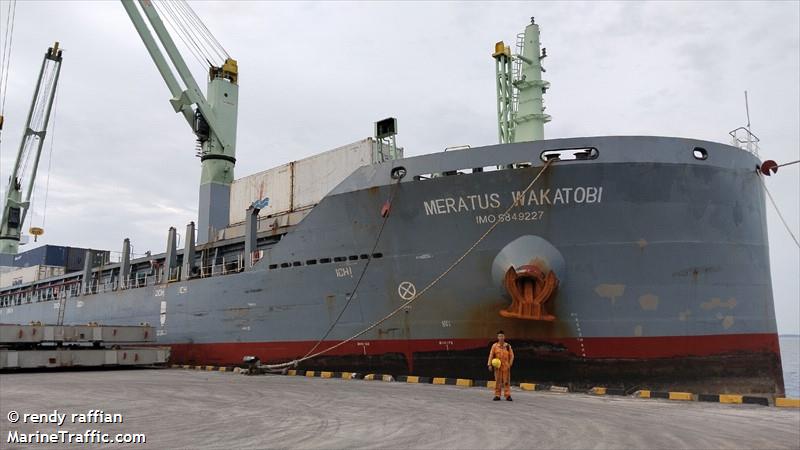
(790, 358)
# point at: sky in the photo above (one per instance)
(314, 76)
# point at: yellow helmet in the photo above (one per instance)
(496, 363)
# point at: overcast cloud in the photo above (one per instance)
(315, 76)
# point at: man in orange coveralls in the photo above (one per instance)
(502, 375)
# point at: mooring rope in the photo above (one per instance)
(363, 272)
(775, 205)
(422, 292)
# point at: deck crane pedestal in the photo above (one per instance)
(212, 118)
(17, 201)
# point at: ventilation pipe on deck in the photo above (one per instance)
(125, 264)
(250, 234)
(86, 280)
(188, 253)
(170, 259)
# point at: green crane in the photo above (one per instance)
(26, 163)
(520, 107)
(211, 118)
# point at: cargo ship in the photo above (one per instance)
(625, 261)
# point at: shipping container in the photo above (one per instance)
(76, 256)
(300, 184)
(48, 255)
(56, 255)
(24, 275)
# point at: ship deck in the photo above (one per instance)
(178, 408)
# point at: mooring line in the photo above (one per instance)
(423, 291)
(775, 205)
(363, 272)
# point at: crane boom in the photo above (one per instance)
(213, 118)
(18, 200)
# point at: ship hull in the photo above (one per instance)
(661, 257)
(740, 363)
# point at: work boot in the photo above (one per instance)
(496, 398)
(508, 398)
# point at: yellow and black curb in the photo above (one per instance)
(463, 382)
(466, 382)
(324, 374)
(732, 398)
(413, 379)
(378, 377)
(206, 368)
(681, 396)
(607, 391)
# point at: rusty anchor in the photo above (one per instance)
(530, 289)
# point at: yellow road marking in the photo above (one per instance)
(787, 402)
(730, 398)
(680, 396)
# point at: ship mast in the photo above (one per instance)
(520, 88)
(212, 119)
(17, 200)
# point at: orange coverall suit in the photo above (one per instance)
(502, 375)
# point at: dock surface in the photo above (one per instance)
(203, 409)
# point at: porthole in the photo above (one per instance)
(700, 153)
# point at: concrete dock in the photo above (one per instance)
(199, 409)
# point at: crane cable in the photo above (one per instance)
(5, 54)
(38, 116)
(177, 29)
(420, 293)
(204, 32)
(192, 32)
(50, 158)
(6, 43)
